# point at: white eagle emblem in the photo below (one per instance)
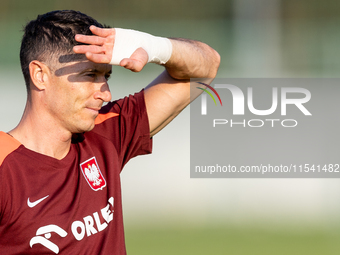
(92, 174)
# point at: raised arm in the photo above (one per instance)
(169, 93)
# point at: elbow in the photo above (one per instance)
(215, 64)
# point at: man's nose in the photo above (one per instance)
(103, 92)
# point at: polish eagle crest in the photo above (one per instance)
(92, 174)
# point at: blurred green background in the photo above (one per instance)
(165, 211)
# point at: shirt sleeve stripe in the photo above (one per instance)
(7, 145)
(103, 117)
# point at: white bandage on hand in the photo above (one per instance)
(159, 49)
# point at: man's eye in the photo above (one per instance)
(91, 75)
(107, 77)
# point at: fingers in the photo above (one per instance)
(100, 37)
(100, 47)
(98, 58)
(90, 39)
(82, 49)
(103, 32)
(97, 54)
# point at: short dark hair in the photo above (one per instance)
(51, 35)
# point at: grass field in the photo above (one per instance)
(235, 241)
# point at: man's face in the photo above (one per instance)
(76, 93)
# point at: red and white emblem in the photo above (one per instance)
(92, 174)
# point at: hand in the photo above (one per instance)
(100, 49)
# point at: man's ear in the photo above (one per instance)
(39, 73)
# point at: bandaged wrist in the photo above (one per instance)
(159, 49)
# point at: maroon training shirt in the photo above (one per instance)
(73, 205)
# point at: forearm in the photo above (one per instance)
(192, 59)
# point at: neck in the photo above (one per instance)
(39, 133)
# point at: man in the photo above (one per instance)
(59, 168)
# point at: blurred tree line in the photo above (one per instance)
(165, 9)
(305, 34)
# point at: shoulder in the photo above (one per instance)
(129, 105)
(7, 145)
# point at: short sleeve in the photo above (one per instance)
(125, 123)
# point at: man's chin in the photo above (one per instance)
(89, 128)
(84, 128)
